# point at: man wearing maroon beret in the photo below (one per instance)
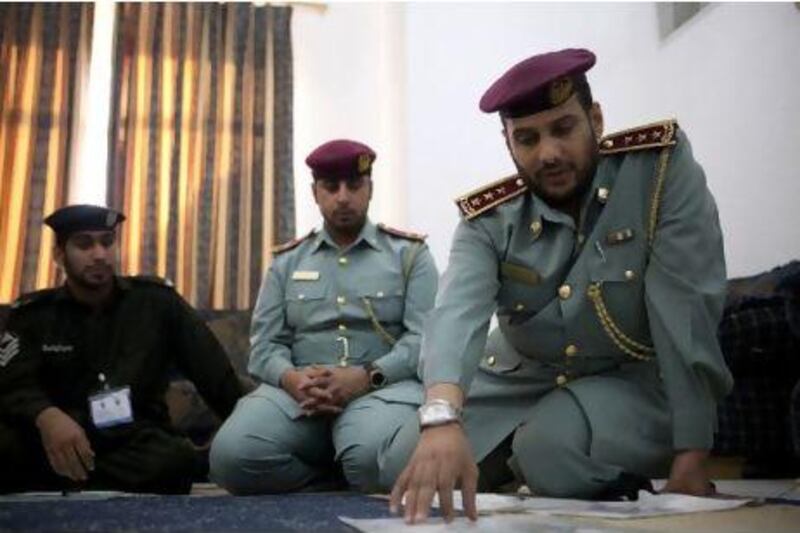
(335, 343)
(603, 260)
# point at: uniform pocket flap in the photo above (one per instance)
(376, 290)
(305, 290)
(500, 357)
(520, 273)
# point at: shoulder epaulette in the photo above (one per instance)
(33, 297)
(285, 247)
(489, 196)
(410, 235)
(655, 135)
(154, 280)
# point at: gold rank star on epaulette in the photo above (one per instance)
(401, 233)
(655, 135)
(285, 247)
(481, 200)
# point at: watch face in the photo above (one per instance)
(435, 414)
(377, 379)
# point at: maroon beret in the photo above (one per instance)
(538, 83)
(341, 159)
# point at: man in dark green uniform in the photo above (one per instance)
(603, 261)
(84, 368)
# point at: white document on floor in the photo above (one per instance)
(648, 505)
(510, 513)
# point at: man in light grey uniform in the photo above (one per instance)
(335, 342)
(603, 259)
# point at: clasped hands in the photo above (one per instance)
(323, 390)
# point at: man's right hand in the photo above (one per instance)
(298, 383)
(65, 443)
(441, 460)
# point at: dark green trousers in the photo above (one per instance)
(143, 459)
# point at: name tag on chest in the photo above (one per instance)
(111, 407)
(305, 275)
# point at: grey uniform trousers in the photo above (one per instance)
(268, 446)
(550, 452)
(561, 446)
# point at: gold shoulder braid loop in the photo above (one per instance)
(385, 335)
(635, 349)
(408, 262)
(664, 135)
(661, 172)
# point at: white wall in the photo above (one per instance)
(349, 83)
(407, 78)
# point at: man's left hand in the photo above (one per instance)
(340, 387)
(688, 475)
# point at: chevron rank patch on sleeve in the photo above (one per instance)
(285, 247)
(656, 135)
(9, 347)
(489, 196)
(401, 233)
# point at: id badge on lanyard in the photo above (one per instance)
(111, 407)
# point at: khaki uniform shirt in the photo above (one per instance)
(633, 289)
(322, 305)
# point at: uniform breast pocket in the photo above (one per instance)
(64, 368)
(499, 356)
(619, 269)
(616, 291)
(384, 300)
(522, 290)
(62, 360)
(304, 301)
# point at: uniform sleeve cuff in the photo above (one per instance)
(274, 369)
(32, 409)
(433, 374)
(693, 430)
(395, 369)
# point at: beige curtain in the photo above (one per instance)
(43, 49)
(201, 145)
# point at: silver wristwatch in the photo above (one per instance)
(438, 413)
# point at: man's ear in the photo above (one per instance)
(58, 255)
(314, 191)
(507, 140)
(504, 130)
(596, 118)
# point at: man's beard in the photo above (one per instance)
(347, 222)
(94, 277)
(583, 182)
